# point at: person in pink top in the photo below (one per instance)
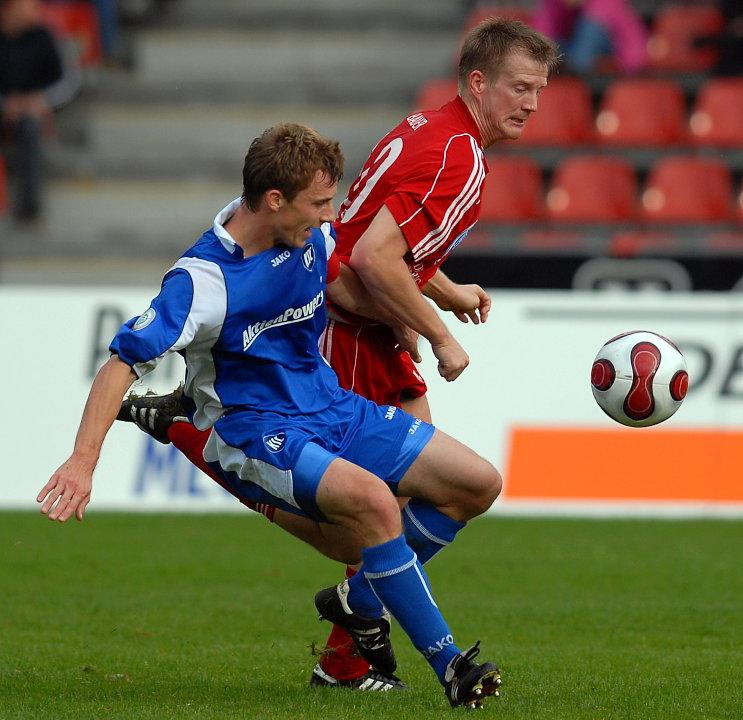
(590, 29)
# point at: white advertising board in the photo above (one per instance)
(524, 403)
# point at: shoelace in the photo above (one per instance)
(472, 653)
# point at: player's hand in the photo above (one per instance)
(452, 359)
(68, 491)
(467, 302)
(407, 339)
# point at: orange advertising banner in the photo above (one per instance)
(579, 463)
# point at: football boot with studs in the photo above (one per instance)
(152, 413)
(467, 683)
(370, 635)
(372, 681)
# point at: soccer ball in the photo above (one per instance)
(639, 378)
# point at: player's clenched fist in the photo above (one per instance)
(452, 359)
(68, 491)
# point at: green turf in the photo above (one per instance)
(211, 617)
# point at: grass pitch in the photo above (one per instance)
(181, 617)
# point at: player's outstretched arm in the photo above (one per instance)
(68, 490)
(467, 302)
(379, 259)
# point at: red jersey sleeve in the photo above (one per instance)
(436, 202)
(334, 268)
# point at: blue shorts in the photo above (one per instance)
(279, 460)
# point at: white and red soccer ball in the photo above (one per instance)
(639, 378)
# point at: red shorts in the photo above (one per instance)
(366, 361)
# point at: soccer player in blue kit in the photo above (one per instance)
(245, 306)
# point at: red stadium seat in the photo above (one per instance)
(564, 115)
(688, 190)
(675, 27)
(436, 93)
(642, 112)
(512, 191)
(77, 21)
(593, 189)
(718, 113)
(483, 12)
(3, 187)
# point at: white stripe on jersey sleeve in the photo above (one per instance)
(467, 197)
(326, 229)
(201, 332)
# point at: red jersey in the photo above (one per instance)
(428, 171)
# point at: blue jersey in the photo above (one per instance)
(247, 328)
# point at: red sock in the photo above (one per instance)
(191, 442)
(340, 658)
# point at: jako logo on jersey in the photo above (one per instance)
(275, 442)
(391, 410)
(290, 315)
(280, 258)
(308, 257)
(416, 424)
(440, 645)
(415, 121)
(145, 319)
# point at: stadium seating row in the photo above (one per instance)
(632, 112)
(553, 240)
(673, 30)
(586, 189)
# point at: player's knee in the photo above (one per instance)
(377, 514)
(485, 486)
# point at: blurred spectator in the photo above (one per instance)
(108, 26)
(729, 42)
(588, 30)
(29, 64)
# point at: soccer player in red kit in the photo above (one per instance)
(415, 200)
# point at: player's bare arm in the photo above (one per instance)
(467, 302)
(379, 259)
(68, 490)
(349, 293)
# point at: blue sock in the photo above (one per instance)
(427, 530)
(401, 585)
(361, 598)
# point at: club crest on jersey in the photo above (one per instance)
(456, 243)
(275, 442)
(145, 319)
(308, 257)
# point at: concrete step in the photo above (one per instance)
(206, 141)
(290, 67)
(119, 219)
(328, 15)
